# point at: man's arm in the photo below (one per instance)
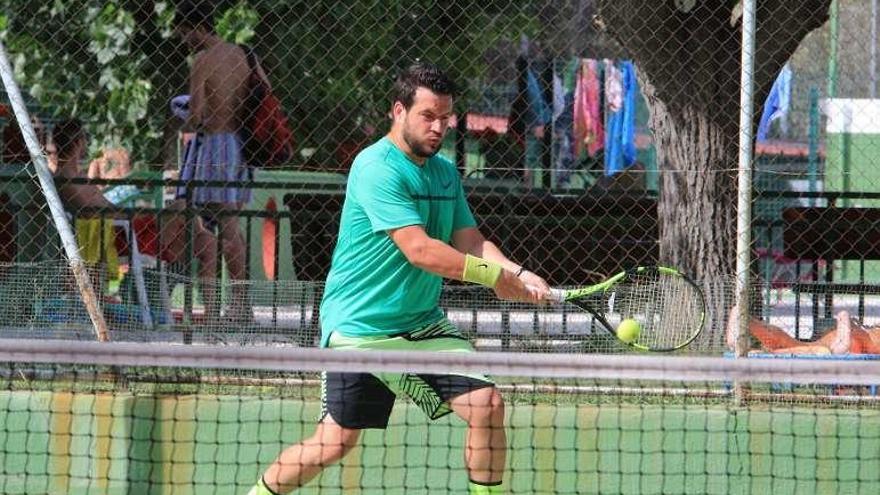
(197, 77)
(471, 240)
(442, 259)
(84, 196)
(263, 77)
(467, 238)
(428, 253)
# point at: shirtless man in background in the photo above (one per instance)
(218, 85)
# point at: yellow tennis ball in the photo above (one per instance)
(628, 330)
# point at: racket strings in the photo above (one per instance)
(668, 308)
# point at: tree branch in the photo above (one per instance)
(693, 57)
(627, 23)
(781, 26)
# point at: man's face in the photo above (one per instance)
(75, 153)
(189, 36)
(426, 122)
(81, 148)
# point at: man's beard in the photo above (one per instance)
(420, 149)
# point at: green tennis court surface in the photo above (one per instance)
(99, 437)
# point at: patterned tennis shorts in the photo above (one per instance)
(365, 400)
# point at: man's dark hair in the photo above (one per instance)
(65, 135)
(195, 13)
(421, 75)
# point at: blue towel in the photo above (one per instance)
(540, 110)
(620, 145)
(180, 106)
(778, 102)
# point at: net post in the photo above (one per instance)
(744, 190)
(47, 185)
(189, 249)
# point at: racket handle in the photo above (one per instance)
(557, 295)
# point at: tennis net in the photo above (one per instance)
(38, 300)
(83, 417)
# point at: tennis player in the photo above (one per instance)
(405, 226)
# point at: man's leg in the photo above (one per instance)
(174, 234)
(486, 444)
(233, 250)
(233, 244)
(299, 463)
(206, 252)
(840, 341)
(770, 336)
(357, 400)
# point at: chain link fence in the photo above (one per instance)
(592, 136)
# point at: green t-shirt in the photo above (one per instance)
(372, 289)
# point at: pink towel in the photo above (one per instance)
(589, 131)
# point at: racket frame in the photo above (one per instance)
(575, 296)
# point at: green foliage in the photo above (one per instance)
(237, 25)
(82, 58)
(80, 63)
(121, 83)
(116, 63)
(333, 61)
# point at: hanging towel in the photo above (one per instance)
(620, 149)
(540, 111)
(518, 120)
(558, 96)
(563, 141)
(589, 132)
(778, 102)
(613, 86)
(630, 95)
(90, 238)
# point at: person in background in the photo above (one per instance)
(71, 143)
(218, 89)
(15, 150)
(847, 337)
(114, 163)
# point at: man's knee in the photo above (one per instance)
(206, 243)
(338, 451)
(335, 441)
(484, 407)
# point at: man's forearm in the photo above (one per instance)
(469, 258)
(439, 258)
(488, 250)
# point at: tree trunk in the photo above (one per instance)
(697, 206)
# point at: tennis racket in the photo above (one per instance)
(668, 306)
